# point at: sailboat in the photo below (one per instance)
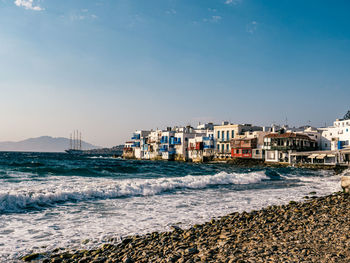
(75, 143)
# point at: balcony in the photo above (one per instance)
(163, 149)
(136, 137)
(177, 141)
(136, 144)
(164, 139)
(172, 151)
(208, 146)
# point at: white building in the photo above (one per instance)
(153, 142)
(167, 147)
(140, 145)
(336, 137)
(201, 148)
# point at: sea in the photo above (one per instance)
(57, 200)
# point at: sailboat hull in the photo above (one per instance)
(75, 152)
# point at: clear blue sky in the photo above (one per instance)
(108, 67)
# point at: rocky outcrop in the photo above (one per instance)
(345, 184)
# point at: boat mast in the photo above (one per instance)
(73, 139)
(70, 141)
(76, 140)
(80, 142)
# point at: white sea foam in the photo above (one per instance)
(79, 189)
(66, 226)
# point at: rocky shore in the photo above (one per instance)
(317, 230)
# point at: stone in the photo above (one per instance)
(345, 184)
(31, 257)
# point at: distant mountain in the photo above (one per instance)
(42, 144)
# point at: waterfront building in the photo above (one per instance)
(153, 142)
(315, 157)
(243, 147)
(167, 144)
(227, 131)
(336, 137)
(201, 147)
(279, 146)
(249, 145)
(128, 150)
(182, 137)
(314, 133)
(140, 145)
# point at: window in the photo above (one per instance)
(222, 147)
(218, 134)
(237, 151)
(228, 135)
(218, 147)
(232, 134)
(222, 135)
(227, 147)
(257, 152)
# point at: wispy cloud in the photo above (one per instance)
(171, 12)
(251, 27)
(83, 14)
(213, 19)
(28, 4)
(233, 2)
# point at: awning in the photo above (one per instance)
(312, 156)
(321, 156)
(330, 155)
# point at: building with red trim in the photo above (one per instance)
(243, 147)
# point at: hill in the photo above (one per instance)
(42, 144)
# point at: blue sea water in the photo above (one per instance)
(50, 200)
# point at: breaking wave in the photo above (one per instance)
(38, 197)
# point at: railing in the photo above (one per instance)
(175, 141)
(136, 144)
(208, 146)
(136, 137)
(163, 150)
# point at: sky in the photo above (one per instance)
(109, 67)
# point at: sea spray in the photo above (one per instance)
(40, 196)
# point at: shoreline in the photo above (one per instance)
(315, 230)
(241, 162)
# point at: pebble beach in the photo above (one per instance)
(315, 230)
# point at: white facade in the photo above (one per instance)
(140, 143)
(336, 137)
(315, 134)
(201, 147)
(153, 145)
(167, 148)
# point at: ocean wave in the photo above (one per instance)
(58, 192)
